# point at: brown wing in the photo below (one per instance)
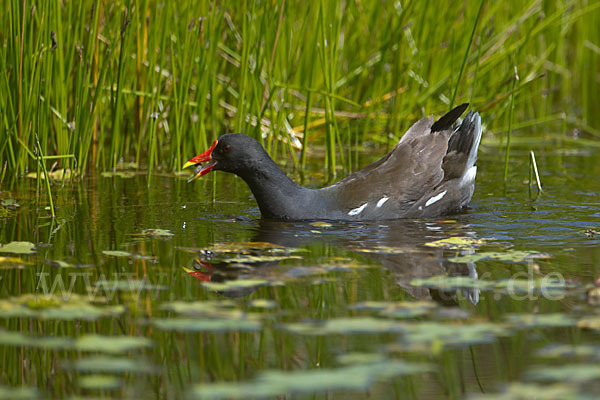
(412, 169)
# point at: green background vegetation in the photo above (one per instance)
(93, 83)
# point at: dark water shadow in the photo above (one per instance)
(400, 246)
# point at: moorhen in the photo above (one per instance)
(430, 172)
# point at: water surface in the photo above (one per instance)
(159, 291)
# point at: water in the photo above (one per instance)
(217, 303)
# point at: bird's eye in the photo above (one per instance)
(226, 148)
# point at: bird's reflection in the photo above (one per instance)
(399, 246)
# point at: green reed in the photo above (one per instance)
(155, 83)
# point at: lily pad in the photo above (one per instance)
(562, 351)
(360, 358)
(382, 250)
(59, 263)
(554, 320)
(320, 224)
(281, 383)
(206, 324)
(18, 248)
(111, 344)
(57, 175)
(447, 334)
(10, 204)
(121, 253)
(14, 260)
(403, 309)
(69, 307)
(213, 309)
(249, 259)
(164, 233)
(131, 285)
(263, 303)
(246, 247)
(113, 365)
(100, 382)
(515, 256)
(566, 373)
(444, 282)
(591, 322)
(345, 326)
(527, 391)
(8, 338)
(234, 284)
(116, 253)
(119, 174)
(457, 243)
(545, 286)
(17, 393)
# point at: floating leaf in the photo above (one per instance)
(17, 393)
(214, 309)
(132, 285)
(562, 351)
(382, 249)
(100, 382)
(444, 282)
(69, 307)
(14, 260)
(111, 344)
(263, 303)
(515, 256)
(320, 224)
(545, 286)
(345, 326)
(120, 253)
(457, 243)
(113, 365)
(360, 358)
(249, 259)
(119, 174)
(59, 263)
(281, 383)
(439, 334)
(10, 204)
(164, 233)
(540, 320)
(18, 248)
(206, 324)
(57, 175)
(8, 338)
(116, 253)
(566, 373)
(244, 247)
(403, 309)
(234, 284)
(527, 391)
(592, 322)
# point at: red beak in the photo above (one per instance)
(200, 158)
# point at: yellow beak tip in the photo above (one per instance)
(187, 164)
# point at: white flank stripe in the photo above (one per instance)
(382, 201)
(469, 176)
(435, 198)
(357, 210)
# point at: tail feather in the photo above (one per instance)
(449, 118)
(462, 147)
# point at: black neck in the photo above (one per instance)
(276, 194)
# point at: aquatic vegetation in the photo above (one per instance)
(119, 280)
(18, 248)
(67, 306)
(274, 383)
